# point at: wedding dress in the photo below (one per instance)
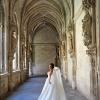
(53, 90)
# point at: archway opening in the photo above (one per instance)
(45, 45)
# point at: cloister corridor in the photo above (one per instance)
(35, 33)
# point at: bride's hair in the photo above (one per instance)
(52, 65)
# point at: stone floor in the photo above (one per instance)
(32, 89)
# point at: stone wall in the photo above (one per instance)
(83, 60)
(3, 85)
(44, 49)
(78, 61)
(16, 81)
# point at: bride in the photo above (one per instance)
(53, 88)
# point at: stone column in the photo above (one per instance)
(32, 59)
(10, 57)
(63, 56)
(93, 74)
(71, 50)
(22, 51)
(57, 55)
(27, 54)
(9, 52)
(98, 42)
(71, 44)
(2, 38)
(12, 45)
(12, 29)
(6, 46)
(19, 51)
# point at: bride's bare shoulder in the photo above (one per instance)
(48, 72)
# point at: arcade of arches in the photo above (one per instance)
(34, 33)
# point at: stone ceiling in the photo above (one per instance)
(36, 13)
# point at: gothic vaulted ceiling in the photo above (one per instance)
(35, 13)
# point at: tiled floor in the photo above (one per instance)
(32, 89)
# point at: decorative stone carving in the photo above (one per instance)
(14, 41)
(70, 27)
(91, 52)
(30, 50)
(13, 33)
(88, 3)
(89, 41)
(94, 74)
(64, 36)
(70, 38)
(63, 48)
(70, 43)
(23, 39)
(57, 55)
(86, 26)
(23, 51)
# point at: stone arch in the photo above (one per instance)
(45, 44)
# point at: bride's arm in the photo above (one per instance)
(49, 76)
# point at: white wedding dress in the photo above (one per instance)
(55, 90)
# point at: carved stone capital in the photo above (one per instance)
(70, 43)
(91, 52)
(64, 36)
(22, 39)
(63, 48)
(88, 3)
(70, 26)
